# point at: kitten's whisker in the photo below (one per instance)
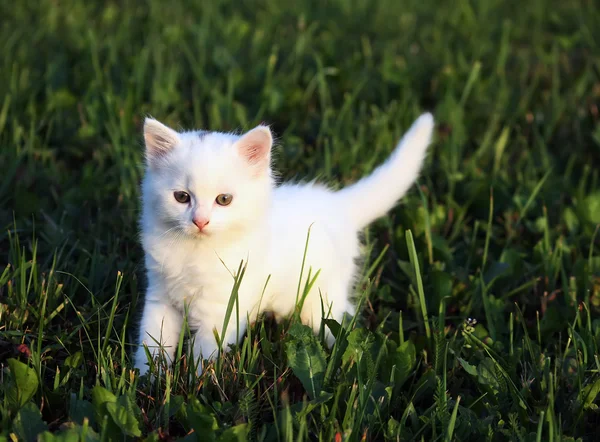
(168, 231)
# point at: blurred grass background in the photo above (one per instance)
(505, 217)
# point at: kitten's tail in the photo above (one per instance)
(374, 195)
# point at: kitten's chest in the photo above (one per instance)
(196, 281)
(193, 274)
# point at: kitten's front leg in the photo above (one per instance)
(161, 323)
(205, 345)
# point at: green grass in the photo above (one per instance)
(494, 337)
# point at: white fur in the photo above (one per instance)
(265, 226)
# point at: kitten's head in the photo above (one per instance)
(204, 184)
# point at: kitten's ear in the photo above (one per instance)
(255, 147)
(159, 139)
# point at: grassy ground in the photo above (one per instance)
(482, 323)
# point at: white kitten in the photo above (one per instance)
(210, 201)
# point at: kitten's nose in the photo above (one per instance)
(201, 223)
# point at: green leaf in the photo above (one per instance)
(197, 417)
(408, 270)
(570, 219)
(496, 270)
(74, 360)
(405, 359)
(393, 428)
(589, 394)
(514, 261)
(79, 410)
(591, 207)
(101, 397)
(360, 341)
(75, 433)
(486, 374)
(441, 283)
(239, 433)
(306, 358)
(333, 326)
(101, 400)
(28, 422)
(363, 349)
(441, 246)
(24, 386)
(471, 369)
(426, 384)
(152, 437)
(323, 398)
(125, 414)
(176, 403)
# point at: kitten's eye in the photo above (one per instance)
(224, 199)
(181, 197)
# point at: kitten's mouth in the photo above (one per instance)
(196, 233)
(201, 233)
